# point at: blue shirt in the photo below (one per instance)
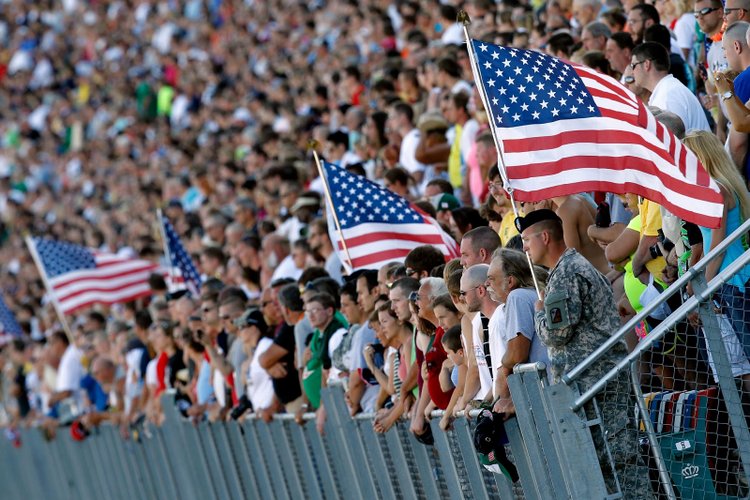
(734, 251)
(203, 388)
(742, 91)
(95, 393)
(742, 86)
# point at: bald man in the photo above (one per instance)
(586, 11)
(104, 372)
(478, 300)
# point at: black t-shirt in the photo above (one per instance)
(175, 363)
(287, 389)
(23, 393)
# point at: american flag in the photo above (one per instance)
(8, 323)
(378, 226)
(79, 276)
(564, 129)
(180, 259)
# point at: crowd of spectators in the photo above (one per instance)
(111, 110)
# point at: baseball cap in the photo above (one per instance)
(176, 295)
(490, 439)
(432, 120)
(305, 201)
(444, 201)
(252, 317)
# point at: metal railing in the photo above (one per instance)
(667, 420)
(640, 431)
(251, 459)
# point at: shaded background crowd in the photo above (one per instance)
(111, 110)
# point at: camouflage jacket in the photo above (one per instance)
(579, 315)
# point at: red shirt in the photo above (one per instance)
(161, 372)
(434, 358)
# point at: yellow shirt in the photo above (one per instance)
(507, 227)
(454, 159)
(650, 226)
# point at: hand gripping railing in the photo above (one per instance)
(617, 337)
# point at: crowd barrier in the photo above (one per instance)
(250, 459)
(667, 421)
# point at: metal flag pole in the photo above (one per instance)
(321, 173)
(45, 279)
(165, 245)
(463, 18)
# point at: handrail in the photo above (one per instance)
(359, 416)
(665, 325)
(573, 374)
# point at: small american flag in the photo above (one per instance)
(8, 323)
(378, 226)
(180, 259)
(565, 129)
(79, 276)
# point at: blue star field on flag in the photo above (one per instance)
(8, 323)
(376, 224)
(525, 87)
(360, 200)
(59, 257)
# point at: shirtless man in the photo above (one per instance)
(577, 215)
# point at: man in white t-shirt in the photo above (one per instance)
(69, 371)
(277, 258)
(253, 333)
(477, 299)
(650, 64)
(401, 120)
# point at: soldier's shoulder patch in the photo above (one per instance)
(556, 309)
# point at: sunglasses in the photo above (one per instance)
(463, 293)
(705, 11)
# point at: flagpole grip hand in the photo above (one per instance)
(539, 306)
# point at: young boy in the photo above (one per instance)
(449, 375)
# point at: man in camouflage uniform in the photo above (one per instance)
(577, 315)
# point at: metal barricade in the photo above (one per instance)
(251, 459)
(668, 420)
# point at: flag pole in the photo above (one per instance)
(45, 279)
(330, 203)
(463, 18)
(165, 246)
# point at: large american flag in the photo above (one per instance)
(378, 226)
(79, 276)
(8, 323)
(180, 260)
(564, 129)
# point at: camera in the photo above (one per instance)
(243, 405)
(662, 247)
